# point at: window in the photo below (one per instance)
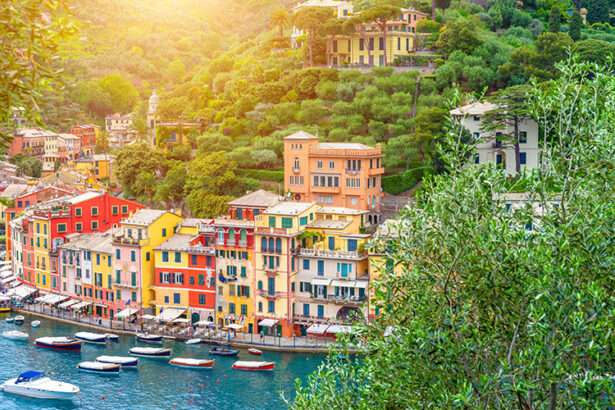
(243, 272)
(61, 228)
(202, 300)
(371, 44)
(321, 311)
(477, 159)
(166, 299)
(201, 280)
(296, 168)
(522, 137)
(271, 306)
(399, 43)
(331, 164)
(98, 258)
(133, 278)
(287, 223)
(178, 257)
(272, 221)
(319, 164)
(361, 45)
(94, 211)
(244, 309)
(522, 158)
(306, 309)
(114, 210)
(94, 225)
(134, 296)
(118, 254)
(165, 256)
(476, 118)
(118, 295)
(79, 227)
(208, 261)
(193, 259)
(164, 232)
(176, 298)
(260, 285)
(303, 220)
(118, 276)
(124, 209)
(306, 264)
(78, 212)
(260, 306)
(231, 308)
(133, 256)
(45, 229)
(147, 257)
(381, 43)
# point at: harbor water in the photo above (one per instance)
(155, 384)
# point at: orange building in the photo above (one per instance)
(333, 173)
(87, 133)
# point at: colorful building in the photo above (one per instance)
(251, 205)
(337, 174)
(87, 133)
(379, 261)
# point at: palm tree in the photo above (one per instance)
(140, 126)
(279, 17)
(147, 181)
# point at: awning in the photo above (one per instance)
(55, 299)
(68, 303)
(317, 329)
(42, 297)
(204, 323)
(80, 305)
(181, 320)
(335, 329)
(170, 314)
(343, 283)
(4, 298)
(126, 313)
(148, 317)
(8, 278)
(362, 284)
(235, 326)
(267, 322)
(323, 282)
(23, 291)
(6, 273)
(14, 283)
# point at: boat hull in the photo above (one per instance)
(36, 323)
(124, 361)
(206, 365)
(99, 341)
(224, 353)
(49, 389)
(112, 369)
(17, 336)
(255, 352)
(40, 395)
(265, 367)
(149, 339)
(68, 347)
(154, 355)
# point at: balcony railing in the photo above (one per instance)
(353, 171)
(270, 295)
(296, 170)
(230, 242)
(346, 300)
(127, 240)
(243, 244)
(326, 253)
(270, 230)
(269, 270)
(124, 285)
(210, 250)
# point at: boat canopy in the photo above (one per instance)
(6, 274)
(267, 322)
(29, 375)
(335, 329)
(126, 313)
(170, 314)
(53, 299)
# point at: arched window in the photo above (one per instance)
(278, 245)
(263, 244)
(260, 285)
(271, 248)
(220, 236)
(243, 237)
(231, 236)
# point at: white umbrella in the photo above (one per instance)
(234, 326)
(148, 317)
(181, 320)
(204, 323)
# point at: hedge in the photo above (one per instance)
(398, 183)
(261, 175)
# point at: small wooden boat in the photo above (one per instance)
(153, 352)
(111, 336)
(59, 343)
(121, 360)
(192, 363)
(253, 366)
(193, 341)
(35, 323)
(19, 319)
(99, 367)
(147, 338)
(10, 319)
(255, 352)
(15, 335)
(223, 351)
(88, 337)
(35, 384)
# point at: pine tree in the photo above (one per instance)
(597, 11)
(575, 26)
(554, 19)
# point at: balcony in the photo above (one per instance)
(125, 285)
(353, 171)
(243, 244)
(375, 171)
(272, 231)
(206, 250)
(269, 271)
(326, 189)
(325, 253)
(269, 295)
(346, 300)
(127, 240)
(230, 242)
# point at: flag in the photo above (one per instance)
(128, 302)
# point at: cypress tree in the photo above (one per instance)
(575, 26)
(597, 11)
(554, 19)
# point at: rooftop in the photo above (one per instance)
(301, 135)
(328, 224)
(144, 217)
(14, 190)
(342, 145)
(234, 222)
(192, 222)
(338, 210)
(177, 242)
(475, 108)
(84, 197)
(288, 208)
(260, 198)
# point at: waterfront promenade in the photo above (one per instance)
(299, 344)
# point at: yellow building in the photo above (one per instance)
(171, 277)
(41, 254)
(95, 166)
(277, 232)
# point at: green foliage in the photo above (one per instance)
(597, 11)
(133, 160)
(576, 22)
(460, 35)
(595, 51)
(262, 175)
(398, 183)
(310, 19)
(205, 205)
(554, 19)
(172, 189)
(122, 95)
(264, 158)
(26, 165)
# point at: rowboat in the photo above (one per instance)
(35, 323)
(222, 351)
(121, 360)
(145, 337)
(59, 343)
(154, 352)
(99, 367)
(192, 363)
(255, 352)
(35, 384)
(10, 319)
(111, 336)
(19, 320)
(15, 335)
(253, 366)
(193, 341)
(88, 337)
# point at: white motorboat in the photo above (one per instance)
(88, 337)
(193, 341)
(192, 363)
(154, 352)
(10, 319)
(254, 366)
(15, 335)
(35, 323)
(121, 360)
(35, 384)
(59, 343)
(19, 319)
(99, 367)
(146, 337)
(111, 336)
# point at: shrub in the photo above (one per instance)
(398, 183)
(261, 175)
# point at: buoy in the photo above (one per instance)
(175, 405)
(202, 386)
(103, 397)
(189, 391)
(162, 374)
(20, 351)
(82, 379)
(119, 389)
(225, 376)
(218, 381)
(191, 400)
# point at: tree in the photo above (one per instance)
(31, 31)
(132, 160)
(330, 29)
(576, 22)
(381, 15)
(459, 35)
(172, 188)
(356, 25)
(594, 51)
(554, 19)
(205, 205)
(310, 19)
(122, 94)
(443, 4)
(140, 126)
(597, 11)
(146, 183)
(279, 17)
(212, 172)
(480, 305)
(27, 165)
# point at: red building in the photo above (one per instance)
(87, 133)
(252, 204)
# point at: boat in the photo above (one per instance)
(15, 335)
(19, 319)
(10, 319)
(35, 384)
(146, 337)
(223, 351)
(255, 352)
(253, 366)
(35, 323)
(193, 341)
(192, 363)
(59, 343)
(99, 367)
(150, 352)
(121, 360)
(111, 336)
(88, 337)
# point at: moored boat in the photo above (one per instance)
(19, 319)
(192, 363)
(15, 335)
(146, 337)
(35, 384)
(253, 366)
(99, 367)
(59, 343)
(10, 319)
(97, 338)
(154, 352)
(255, 352)
(121, 360)
(111, 336)
(223, 351)
(193, 341)
(35, 323)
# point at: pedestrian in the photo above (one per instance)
(262, 335)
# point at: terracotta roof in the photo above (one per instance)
(288, 208)
(260, 198)
(144, 217)
(13, 191)
(301, 135)
(177, 242)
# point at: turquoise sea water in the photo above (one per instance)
(156, 384)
